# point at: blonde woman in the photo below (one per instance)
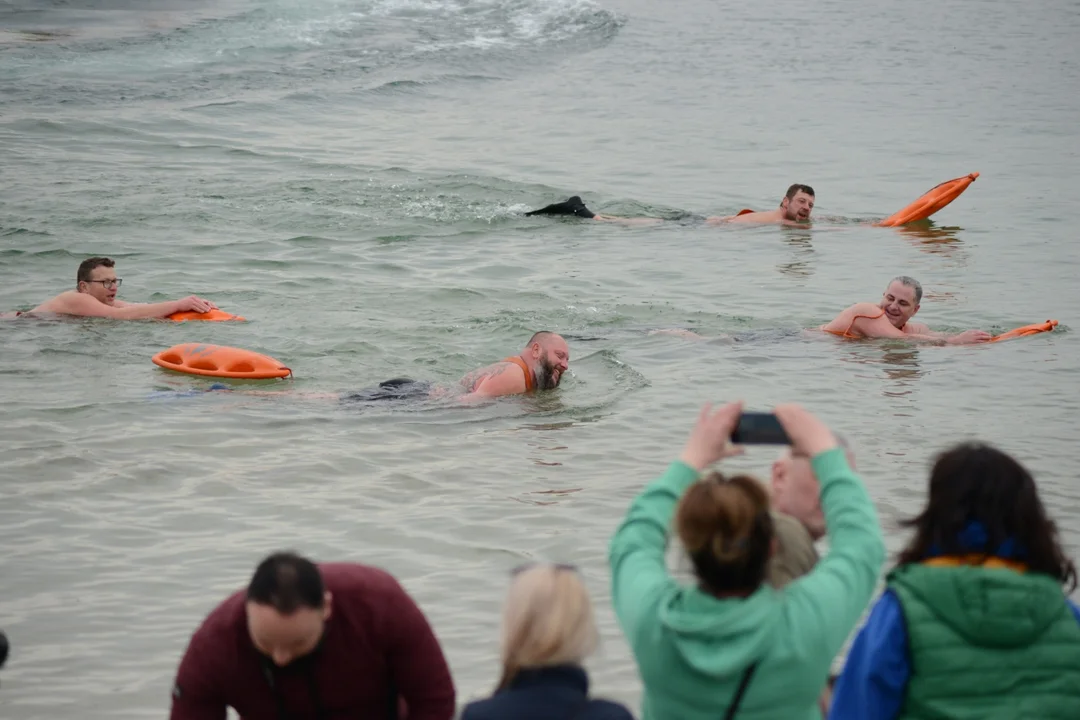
(547, 632)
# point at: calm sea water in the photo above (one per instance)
(350, 176)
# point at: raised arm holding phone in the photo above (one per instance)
(733, 640)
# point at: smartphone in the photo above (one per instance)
(759, 429)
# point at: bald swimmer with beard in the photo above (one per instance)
(539, 366)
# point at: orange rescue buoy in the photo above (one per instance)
(930, 202)
(220, 361)
(1032, 329)
(211, 315)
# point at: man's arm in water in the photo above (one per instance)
(504, 379)
(880, 327)
(86, 306)
(764, 217)
(627, 221)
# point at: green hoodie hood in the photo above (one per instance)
(987, 607)
(719, 637)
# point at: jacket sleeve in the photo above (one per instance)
(196, 693)
(876, 672)
(416, 661)
(639, 574)
(827, 603)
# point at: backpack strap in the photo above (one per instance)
(737, 700)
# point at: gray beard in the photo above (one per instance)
(545, 376)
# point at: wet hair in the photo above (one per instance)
(727, 529)
(547, 620)
(86, 268)
(287, 582)
(981, 501)
(911, 283)
(796, 189)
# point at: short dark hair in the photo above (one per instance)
(86, 268)
(796, 189)
(983, 502)
(538, 336)
(287, 582)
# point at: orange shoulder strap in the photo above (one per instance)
(524, 368)
(847, 333)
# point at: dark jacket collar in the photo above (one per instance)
(569, 676)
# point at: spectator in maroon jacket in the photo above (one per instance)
(307, 642)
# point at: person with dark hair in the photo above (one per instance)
(96, 285)
(734, 641)
(974, 621)
(795, 208)
(890, 318)
(333, 640)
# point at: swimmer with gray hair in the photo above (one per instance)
(891, 318)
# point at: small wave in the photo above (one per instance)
(9, 232)
(410, 85)
(232, 58)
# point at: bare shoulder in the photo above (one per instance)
(768, 216)
(62, 303)
(916, 329)
(844, 316)
(472, 379)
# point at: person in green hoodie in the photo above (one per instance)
(973, 622)
(733, 641)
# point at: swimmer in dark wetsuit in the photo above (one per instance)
(539, 366)
(795, 209)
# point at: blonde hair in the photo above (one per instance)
(727, 530)
(547, 620)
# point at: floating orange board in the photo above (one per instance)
(220, 361)
(931, 201)
(1024, 330)
(211, 315)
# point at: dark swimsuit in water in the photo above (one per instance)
(396, 389)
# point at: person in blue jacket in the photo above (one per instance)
(973, 622)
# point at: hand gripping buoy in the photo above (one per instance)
(210, 315)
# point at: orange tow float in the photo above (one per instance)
(1025, 330)
(220, 361)
(211, 315)
(930, 202)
